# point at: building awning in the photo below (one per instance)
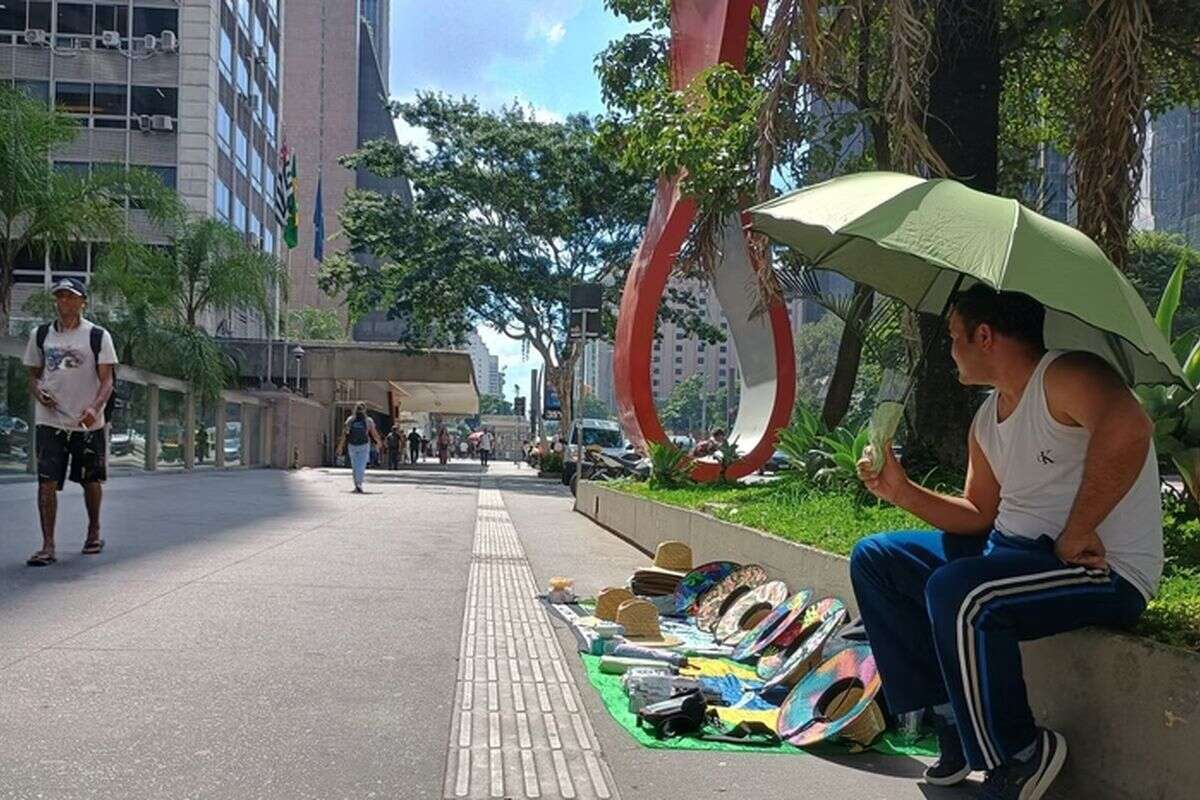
(436, 397)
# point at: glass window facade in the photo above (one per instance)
(154, 21)
(75, 18)
(224, 128)
(155, 100)
(223, 198)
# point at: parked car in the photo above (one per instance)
(120, 442)
(597, 433)
(14, 435)
(233, 441)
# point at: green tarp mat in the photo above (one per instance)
(617, 702)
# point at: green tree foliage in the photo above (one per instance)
(508, 213)
(1153, 259)
(44, 208)
(491, 404)
(595, 408)
(158, 294)
(321, 324)
(692, 409)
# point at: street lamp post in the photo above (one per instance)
(298, 354)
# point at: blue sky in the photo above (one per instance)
(539, 52)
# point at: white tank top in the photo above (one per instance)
(1038, 462)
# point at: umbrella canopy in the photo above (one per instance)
(474, 436)
(914, 239)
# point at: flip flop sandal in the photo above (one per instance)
(92, 548)
(40, 559)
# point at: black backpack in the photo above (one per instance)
(358, 431)
(97, 339)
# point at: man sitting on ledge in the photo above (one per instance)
(1059, 527)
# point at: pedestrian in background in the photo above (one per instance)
(485, 447)
(71, 376)
(443, 444)
(393, 448)
(414, 445)
(357, 435)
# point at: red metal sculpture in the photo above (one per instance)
(705, 33)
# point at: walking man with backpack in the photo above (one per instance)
(71, 365)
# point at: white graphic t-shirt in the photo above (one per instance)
(69, 374)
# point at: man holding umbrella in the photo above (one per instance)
(1059, 525)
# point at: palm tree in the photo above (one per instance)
(163, 292)
(42, 208)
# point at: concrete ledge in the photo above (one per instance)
(1129, 707)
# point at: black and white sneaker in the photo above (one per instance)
(1028, 780)
(951, 767)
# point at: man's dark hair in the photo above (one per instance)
(1013, 314)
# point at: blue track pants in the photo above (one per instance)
(945, 613)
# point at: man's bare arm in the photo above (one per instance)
(972, 514)
(1083, 390)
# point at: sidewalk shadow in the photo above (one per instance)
(899, 767)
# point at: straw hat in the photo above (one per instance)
(609, 599)
(673, 556)
(640, 620)
(836, 701)
(748, 610)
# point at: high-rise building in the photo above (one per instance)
(378, 16)
(488, 375)
(338, 104)
(188, 89)
(1174, 173)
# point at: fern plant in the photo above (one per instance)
(670, 465)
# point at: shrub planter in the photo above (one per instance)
(1129, 707)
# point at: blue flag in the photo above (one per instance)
(318, 224)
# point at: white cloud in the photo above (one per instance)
(556, 33)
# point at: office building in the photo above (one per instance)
(1173, 168)
(189, 89)
(488, 375)
(339, 104)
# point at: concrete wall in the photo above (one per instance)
(299, 431)
(1130, 708)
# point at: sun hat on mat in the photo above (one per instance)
(748, 610)
(699, 581)
(801, 653)
(775, 623)
(607, 602)
(651, 582)
(672, 556)
(640, 620)
(716, 601)
(836, 700)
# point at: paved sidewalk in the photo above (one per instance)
(266, 634)
(561, 542)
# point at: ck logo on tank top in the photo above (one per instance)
(1044, 457)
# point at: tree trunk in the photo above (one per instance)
(845, 372)
(563, 380)
(963, 125)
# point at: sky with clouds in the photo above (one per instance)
(538, 52)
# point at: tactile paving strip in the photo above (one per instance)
(519, 729)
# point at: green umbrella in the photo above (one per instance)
(917, 240)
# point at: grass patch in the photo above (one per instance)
(793, 509)
(790, 509)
